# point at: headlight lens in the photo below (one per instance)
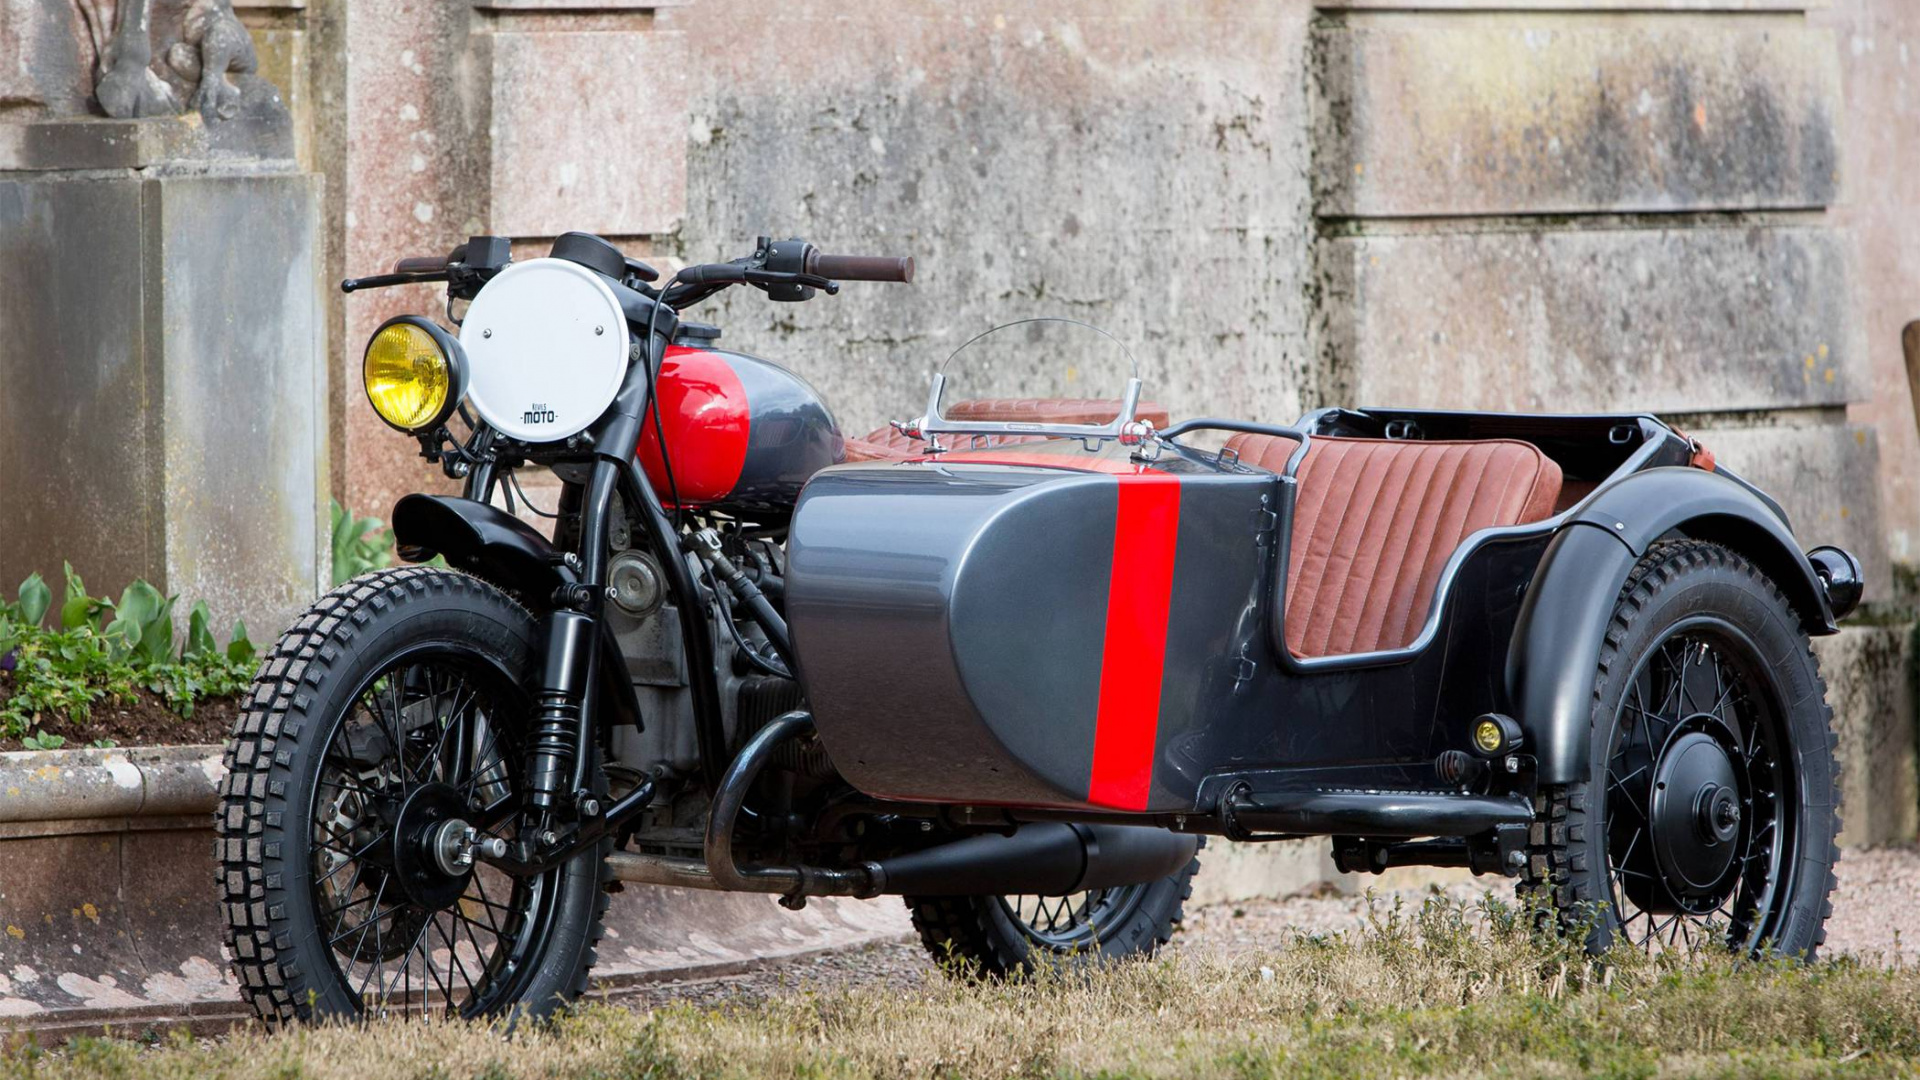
(414, 374)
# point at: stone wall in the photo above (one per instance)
(1141, 166)
(1699, 207)
(434, 121)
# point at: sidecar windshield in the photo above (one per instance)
(1036, 376)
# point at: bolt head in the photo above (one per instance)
(1516, 859)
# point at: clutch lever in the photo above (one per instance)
(381, 281)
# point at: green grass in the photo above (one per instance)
(1439, 992)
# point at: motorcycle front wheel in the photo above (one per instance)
(386, 724)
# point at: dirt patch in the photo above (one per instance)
(146, 722)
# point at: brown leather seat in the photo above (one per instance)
(887, 444)
(1377, 520)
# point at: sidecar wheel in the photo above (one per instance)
(387, 721)
(1711, 809)
(998, 935)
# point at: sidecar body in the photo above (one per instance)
(1306, 620)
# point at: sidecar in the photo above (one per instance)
(1374, 623)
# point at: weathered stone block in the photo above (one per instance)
(1138, 166)
(164, 386)
(613, 159)
(1533, 113)
(1674, 320)
(1869, 672)
(98, 143)
(1572, 5)
(1230, 871)
(1824, 476)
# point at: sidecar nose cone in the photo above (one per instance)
(1840, 572)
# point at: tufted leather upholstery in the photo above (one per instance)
(887, 444)
(1377, 520)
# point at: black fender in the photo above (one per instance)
(490, 543)
(1556, 641)
(483, 540)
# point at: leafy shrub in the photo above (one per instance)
(107, 650)
(360, 544)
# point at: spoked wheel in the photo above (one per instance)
(1070, 923)
(998, 935)
(377, 765)
(1699, 804)
(416, 784)
(1711, 811)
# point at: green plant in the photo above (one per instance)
(360, 544)
(43, 741)
(107, 650)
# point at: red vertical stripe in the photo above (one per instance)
(1145, 534)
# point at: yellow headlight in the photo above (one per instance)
(412, 376)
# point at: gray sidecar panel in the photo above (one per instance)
(998, 634)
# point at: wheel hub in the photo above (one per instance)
(432, 846)
(1695, 817)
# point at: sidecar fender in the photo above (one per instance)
(1569, 605)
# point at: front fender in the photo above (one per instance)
(490, 543)
(483, 540)
(1556, 643)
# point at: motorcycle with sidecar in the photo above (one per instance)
(1012, 660)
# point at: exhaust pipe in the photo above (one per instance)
(1046, 858)
(1042, 858)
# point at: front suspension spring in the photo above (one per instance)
(550, 753)
(565, 675)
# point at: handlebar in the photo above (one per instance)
(861, 267)
(421, 264)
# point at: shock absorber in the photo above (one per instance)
(556, 732)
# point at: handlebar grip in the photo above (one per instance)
(711, 274)
(862, 267)
(420, 264)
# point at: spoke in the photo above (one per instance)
(453, 961)
(353, 859)
(366, 925)
(488, 905)
(372, 920)
(394, 682)
(440, 742)
(481, 773)
(345, 780)
(406, 961)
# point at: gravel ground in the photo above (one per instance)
(1876, 913)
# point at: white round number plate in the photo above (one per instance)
(548, 346)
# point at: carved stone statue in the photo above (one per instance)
(210, 45)
(138, 58)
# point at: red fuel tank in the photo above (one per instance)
(743, 435)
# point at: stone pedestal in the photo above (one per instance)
(162, 367)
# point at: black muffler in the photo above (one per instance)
(1044, 858)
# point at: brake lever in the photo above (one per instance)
(764, 278)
